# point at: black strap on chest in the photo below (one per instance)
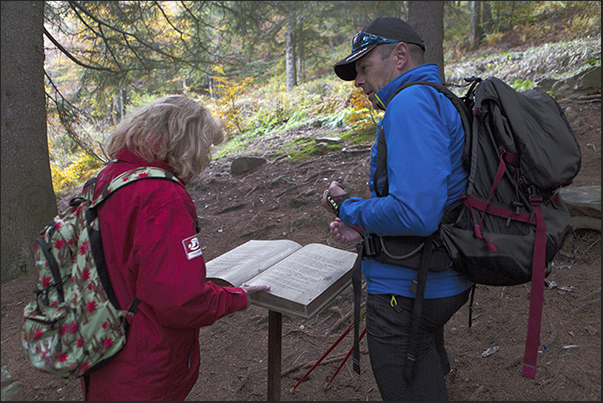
(381, 170)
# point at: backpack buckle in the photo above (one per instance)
(372, 245)
(518, 206)
(534, 196)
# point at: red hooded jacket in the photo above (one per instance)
(147, 228)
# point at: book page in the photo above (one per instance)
(311, 276)
(240, 264)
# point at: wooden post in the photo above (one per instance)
(275, 323)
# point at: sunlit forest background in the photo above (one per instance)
(103, 59)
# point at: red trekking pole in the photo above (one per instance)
(328, 384)
(327, 353)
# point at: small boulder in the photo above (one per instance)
(245, 165)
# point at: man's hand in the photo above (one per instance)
(343, 233)
(333, 197)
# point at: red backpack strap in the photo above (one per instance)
(536, 297)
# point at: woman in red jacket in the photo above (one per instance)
(148, 230)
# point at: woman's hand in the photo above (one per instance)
(251, 289)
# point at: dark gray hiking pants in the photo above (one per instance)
(388, 334)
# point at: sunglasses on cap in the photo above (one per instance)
(363, 39)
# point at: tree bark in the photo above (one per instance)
(487, 21)
(28, 200)
(475, 28)
(291, 79)
(427, 18)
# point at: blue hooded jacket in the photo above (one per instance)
(425, 140)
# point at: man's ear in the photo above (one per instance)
(402, 54)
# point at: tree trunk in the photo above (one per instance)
(300, 63)
(487, 21)
(290, 53)
(475, 28)
(121, 105)
(28, 200)
(427, 18)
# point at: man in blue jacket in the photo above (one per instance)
(424, 177)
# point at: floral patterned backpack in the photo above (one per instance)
(74, 325)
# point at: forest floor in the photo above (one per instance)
(281, 200)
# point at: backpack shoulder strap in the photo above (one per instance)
(90, 185)
(134, 175)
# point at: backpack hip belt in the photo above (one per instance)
(405, 251)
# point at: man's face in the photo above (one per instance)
(373, 72)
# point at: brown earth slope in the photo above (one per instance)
(281, 200)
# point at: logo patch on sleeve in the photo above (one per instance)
(192, 248)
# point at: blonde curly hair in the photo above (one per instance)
(174, 129)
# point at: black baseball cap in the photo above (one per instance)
(380, 30)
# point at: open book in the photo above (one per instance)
(302, 280)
